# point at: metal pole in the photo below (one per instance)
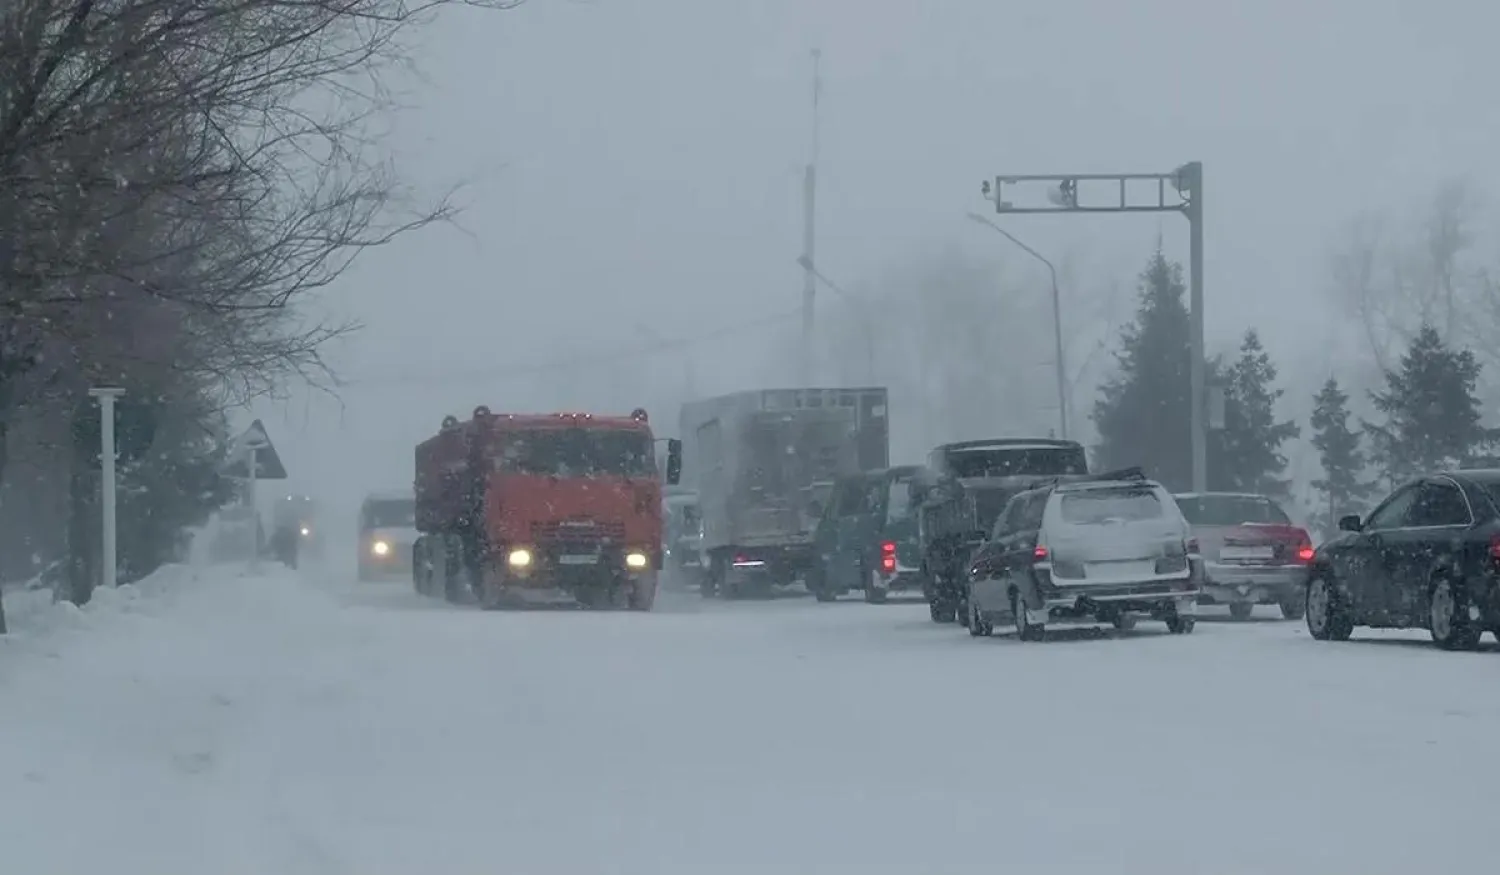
(1197, 366)
(1057, 333)
(109, 561)
(254, 510)
(1057, 336)
(809, 233)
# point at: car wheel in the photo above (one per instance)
(1025, 629)
(1241, 610)
(979, 627)
(1293, 606)
(1327, 617)
(1124, 621)
(1177, 624)
(873, 594)
(1448, 617)
(941, 611)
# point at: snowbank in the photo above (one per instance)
(32, 614)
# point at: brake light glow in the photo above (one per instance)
(888, 557)
(1305, 553)
(1040, 554)
(1495, 547)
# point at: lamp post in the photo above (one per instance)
(107, 397)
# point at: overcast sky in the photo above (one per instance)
(634, 174)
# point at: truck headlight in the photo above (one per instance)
(636, 560)
(379, 548)
(519, 558)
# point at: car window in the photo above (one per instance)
(1126, 504)
(898, 503)
(1392, 514)
(1231, 510)
(1032, 510)
(1438, 504)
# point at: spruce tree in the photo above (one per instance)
(1249, 447)
(1430, 410)
(1340, 453)
(1144, 413)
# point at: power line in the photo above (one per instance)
(563, 364)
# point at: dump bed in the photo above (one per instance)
(762, 461)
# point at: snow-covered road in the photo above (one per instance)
(217, 722)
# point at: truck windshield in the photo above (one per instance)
(577, 452)
(390, 514)
(1017, 461)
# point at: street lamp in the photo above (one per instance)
(855, 300)
(1062, 382)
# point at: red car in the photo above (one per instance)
(1253, 554)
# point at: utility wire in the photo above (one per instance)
(530, 367)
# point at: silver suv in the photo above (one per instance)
(1106, 549)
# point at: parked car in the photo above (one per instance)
(867, 538)
(1428, 556)
(1253, 554)
(1102, 550)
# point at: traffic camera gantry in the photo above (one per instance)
(1187, 182)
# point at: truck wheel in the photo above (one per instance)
(1241, 610)
(817, 583)
(873, 594)
(1293, 606)
(643, 594)
(453, 569)
(942, 611)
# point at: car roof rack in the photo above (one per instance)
(1132, 474)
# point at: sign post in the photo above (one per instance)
(107, 396)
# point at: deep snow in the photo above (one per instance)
(227, 723)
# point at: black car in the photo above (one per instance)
(1428, 557)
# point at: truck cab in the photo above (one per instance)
(542, 508)
(387, 530)
(867, 539)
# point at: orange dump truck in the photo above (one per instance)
(525, 508)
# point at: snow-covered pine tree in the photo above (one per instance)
(1430, 411)
(1342, 487)
(1250, 457)
(1143, 414)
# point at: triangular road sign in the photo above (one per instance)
(267, 463)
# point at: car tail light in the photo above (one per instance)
(1495, 547)
(1040, 554)
(888, 557)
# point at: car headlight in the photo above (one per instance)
(306, 531)
(636, 560)
(379, 548)
(519, 558)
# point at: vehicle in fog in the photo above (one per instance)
(1427, 556)
(528, 508)
(1101, 550)
(387, 531)
(296, 530)
(1253, 554)
(867, 538)
(763, 463)
(960, 493)
(682, 537)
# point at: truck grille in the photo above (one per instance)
(578, 532)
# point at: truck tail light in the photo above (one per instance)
(888, 557)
